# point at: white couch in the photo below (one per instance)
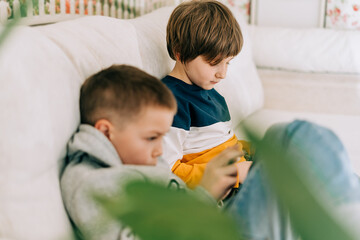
(42, 69)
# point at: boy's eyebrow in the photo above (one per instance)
(158, 132)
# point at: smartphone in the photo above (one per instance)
(234, 160)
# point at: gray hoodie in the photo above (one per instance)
(93, 165)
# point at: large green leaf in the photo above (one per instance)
(156, 212)
(311, 219)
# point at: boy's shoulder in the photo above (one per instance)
(181, 89)
(173, 82)
(176, 83)
(189, 93)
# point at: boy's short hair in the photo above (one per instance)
(203, 27)
(121, 92)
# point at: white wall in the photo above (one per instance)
(289, 13)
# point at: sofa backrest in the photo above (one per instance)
(151, 35)
(39, 88)
(41, 71)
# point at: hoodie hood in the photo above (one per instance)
(89, 140)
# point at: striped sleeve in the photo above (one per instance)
(173, 145)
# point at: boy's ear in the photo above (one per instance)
(177, 56)
(103, 126)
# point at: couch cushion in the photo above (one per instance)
(38, 100)
(308, 50)
(151, 33)
(95, 42)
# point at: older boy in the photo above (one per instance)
(124, 115)
(202, 37)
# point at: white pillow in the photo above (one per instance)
(151, 33)
(95, 42)
(306, 50)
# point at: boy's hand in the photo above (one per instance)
(221, 172)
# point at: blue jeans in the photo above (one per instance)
(318, 153)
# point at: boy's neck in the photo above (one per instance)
(180, 73)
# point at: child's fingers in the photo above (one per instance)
(226, 157)
(230, 182)
(219, 176)
(230, 170)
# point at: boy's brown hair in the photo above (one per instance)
(121, 92)
(203, 27)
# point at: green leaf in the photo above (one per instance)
(156, 212)
(309, 216)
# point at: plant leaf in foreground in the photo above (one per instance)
(156, 212)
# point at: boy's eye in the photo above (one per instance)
(217, 63)
(152, 138)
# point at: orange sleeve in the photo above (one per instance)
(247, 146)
(192, 166)
(191, 174)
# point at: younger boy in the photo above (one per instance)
(124, 114)
(202, 37)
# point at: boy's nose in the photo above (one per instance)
(221, 73)
(220, 76)
(157, 151)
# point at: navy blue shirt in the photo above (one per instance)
(197, 107)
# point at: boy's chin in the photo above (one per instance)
(208, 87)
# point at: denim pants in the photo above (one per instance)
(323, 159)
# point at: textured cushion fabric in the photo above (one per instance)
(151, 34)
(38, 95)
(95, 42)
(306, 49)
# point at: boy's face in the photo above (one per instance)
(140, 141)
(204, 74)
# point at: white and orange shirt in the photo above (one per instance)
(201, 130)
